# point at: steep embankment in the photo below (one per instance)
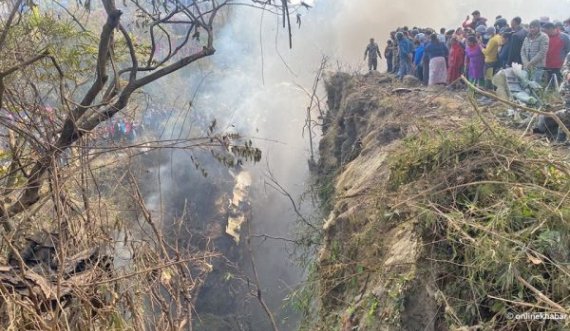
(436, 220)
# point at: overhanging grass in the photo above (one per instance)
(494, 211)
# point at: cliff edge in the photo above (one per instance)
(439, 216)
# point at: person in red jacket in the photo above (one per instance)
(455, 60)
(558, 47)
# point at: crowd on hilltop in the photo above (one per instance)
(478, 49)
(126, 129)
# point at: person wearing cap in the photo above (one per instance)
(480, 32)
(558, 47)
(533, 51)
(475, 21)
(516, 41)
(372, 51)
(491, 52)
(500, 23)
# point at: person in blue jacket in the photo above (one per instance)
(406, 51)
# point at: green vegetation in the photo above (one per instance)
(494, 212)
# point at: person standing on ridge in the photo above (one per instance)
(388, 54)
(474, 61)
(558, 48)
(372, 51)
(437, 54)
(405, 53)
(491, 52)
(517, 39)
(475, 22)
(455, 61)
(533, 51)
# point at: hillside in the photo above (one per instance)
(437, 219)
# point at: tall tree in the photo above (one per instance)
(64, 71)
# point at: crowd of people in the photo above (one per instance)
(126, 129)
(478, 49)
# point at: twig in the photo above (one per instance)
(256, 276)
(276, 186)
(528, 126)
(541, 295)
(473, 103)
(147, 270)
(524, 304)
(267, 236)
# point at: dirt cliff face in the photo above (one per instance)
(418, 191)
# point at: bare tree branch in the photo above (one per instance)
(9, 23)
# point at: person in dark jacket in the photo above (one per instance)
(372, 52)
(517, 39)
(437, 54)
(425, 59)
(388, 54)
(506, 34)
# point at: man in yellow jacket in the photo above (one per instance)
(491, 52)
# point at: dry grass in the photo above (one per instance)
(494, 212)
